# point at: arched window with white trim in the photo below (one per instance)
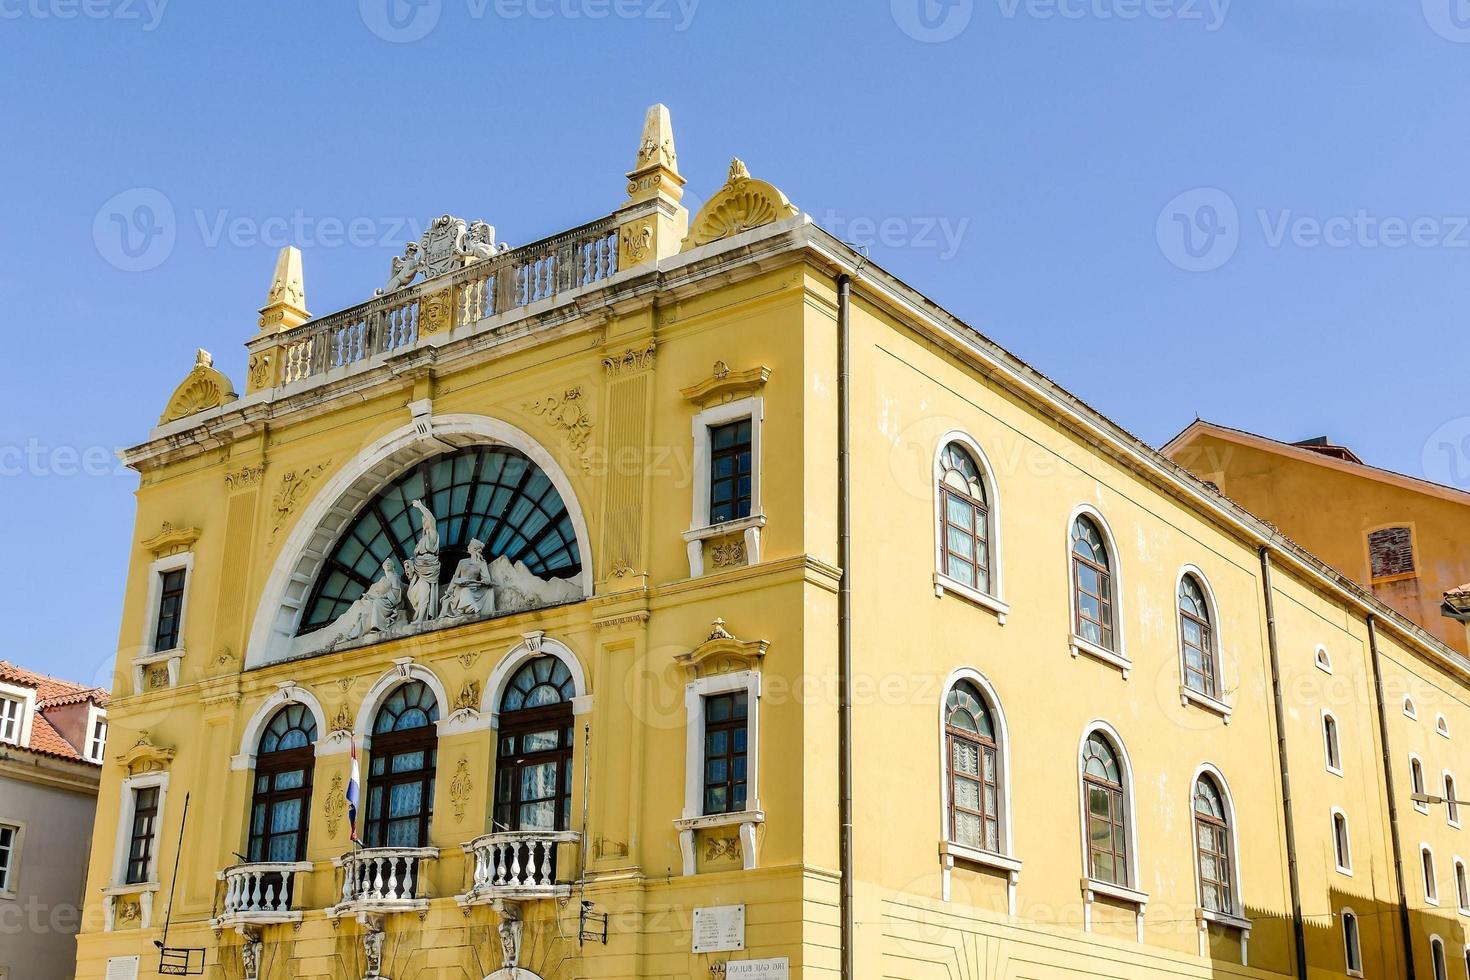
(1351, 944)
(1342, 847)
(1451, 802)
(1214, 845)
(1442, 726)
(974, 774)
(1198, 650)
(1107, 808)
(1094, 604)
(1331, 744)
(966, 529)
(1462, 887)
(403, 761)
(1427, 872)
(280, 804)
(1417, 784)
(1436, 956)
(1409, 710)
(1323, 660)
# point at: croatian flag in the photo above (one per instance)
(354, 789)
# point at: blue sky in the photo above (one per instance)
(1254, 211)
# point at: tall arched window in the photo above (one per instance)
(1352, 944)
(533, 767)
(1431, 881)
(1214, 857)
(972, 750)
(1197, 639)
(1416, 783)
(1092, 584)
(1341, 844)
(964, 543)
(1105, 797)
(1436, 956)
(400, 800)
(1451, 802)
(1331, 747)
(281, 802)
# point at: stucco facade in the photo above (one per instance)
(615, 383)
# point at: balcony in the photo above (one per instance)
(260, 894)
(380, 880)
(518, 866)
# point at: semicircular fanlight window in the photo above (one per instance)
(538, 683)
(487, 493)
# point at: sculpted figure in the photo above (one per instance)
(470, 592)
(372, 948)
(480, 242)
(423, 568)
(376, 611)
(403, 268)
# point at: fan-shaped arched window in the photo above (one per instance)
(1197, 638)
(1105, 796)
(533, 767)
(974, 769)
(1092, 583)
(281, 802)
(400, 800)
(964, 520)
(1215, 860)
(490, 494)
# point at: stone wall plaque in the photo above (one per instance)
(720, 929)
(773, 969)
(122, 968)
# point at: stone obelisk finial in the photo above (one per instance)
(652, 222)
(285, 304)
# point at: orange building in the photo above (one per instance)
(1398, 535)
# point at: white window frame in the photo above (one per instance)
(1410, 711)
(1118, 656)
(994, 600)
(1422, 786)
(184, 560)
(95, 716)
(1092, 887)
(1442, 726)
(1329, 744)
(694, 817)
(1322, 659)
(1347, 841)
(25, 698)
(700, 529)
(10, 872)
(1429, 874)
(1450, 787)
(1005, 859)
(130, 785)
(1187, 694)
(1436, 945)
(1462, 896)
(1351, 951)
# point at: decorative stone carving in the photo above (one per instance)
(511, 930)
(202, 389)
(460, 788)
(742, 204)
(469, 592)
(436, 312)
(467, 660)
(250, 954)
(244, 479)
(259, 371)
(721, 653)
(637, 240)
(448, 244)
(566, 413)
(630, 361)
(144, 756)
(716, 848)
(373, 939)
(730, 554)
(423, 568)
(171, 540)
(724, 385)
(285, 301)
(375, 612)
(335, 806)
(291, 492)
(158, 677)
(655, 171)
(342, 723)
(469, 698)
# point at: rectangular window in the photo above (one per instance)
(726, 736)
(1106, 835)
(97, 744)
(730, 462)
(9, 839)
(1391, 552)
(141, 840)
(170, 608)
(10, 715)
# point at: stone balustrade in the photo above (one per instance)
(519, 865)
(261, 893)
(383, 879)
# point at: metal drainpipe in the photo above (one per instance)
(1393, 808)
(844, 625)
(1293, 873)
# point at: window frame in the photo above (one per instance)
(125, 819)
(1372, 579)
(1124, 789)
(269, 765)
(700, 528)
(1410, 709)
(1438, 962)
(1002, 767)
(1352, 943)
(1451, 807)
(730, 726)
(1117, 654)
(1331, 743)
(96, 718)
(992, 599)
(1462, 885)
(183, 561)
(1441, 726)
(1232, 839)
(1417, 782)
(423, 738)
(10, 867)
(1343, 847)
(1429, 874)
(25, 700)
(1322, 660)
(695, 693)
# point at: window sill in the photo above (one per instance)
(1188, 696)
(943, 583)
(720, 820)
(111, 891)
(1080, 646)
(1224, 920)
(971, 855)
(1093, 887)
(158, 656)
(1421, 807)
(729, 527)
(1346, 872)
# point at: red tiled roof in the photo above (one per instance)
(48, 741)
(51, 692)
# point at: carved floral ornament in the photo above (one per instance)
(630, 361)
(742, 204)
(202, 389)
(568, 413)
(146, 756)
(721, 653)
(291, 492)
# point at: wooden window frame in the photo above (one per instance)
(986, 749)
(1209, 661)
(1331, 743)
(1107, 634)
(269, 766)
(742, 505)
(1342, 845)
(505, 809)
(139, 857)
(730, 726)
(1118, 817)
(1224, 853)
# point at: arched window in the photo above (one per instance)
(1451, 804)
(1462, 887)
(1323, 661)
(1331, 748)
(1197, 636)
(1416, 783)
(400, 800)
(1442, 726)
(1352, 945)
(281, 802)
(1409, 709)
(1426, 867)
(1341, 845)
(964, 544)
(1092, 584)
(1436, 955)
(972, 751)
(533, 767)
(1106, 805)
(1214, 858)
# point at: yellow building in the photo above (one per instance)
(1399, 535)
(696, 599)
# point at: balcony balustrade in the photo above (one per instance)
(383, 879)
(518, 865)
(260, 894)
